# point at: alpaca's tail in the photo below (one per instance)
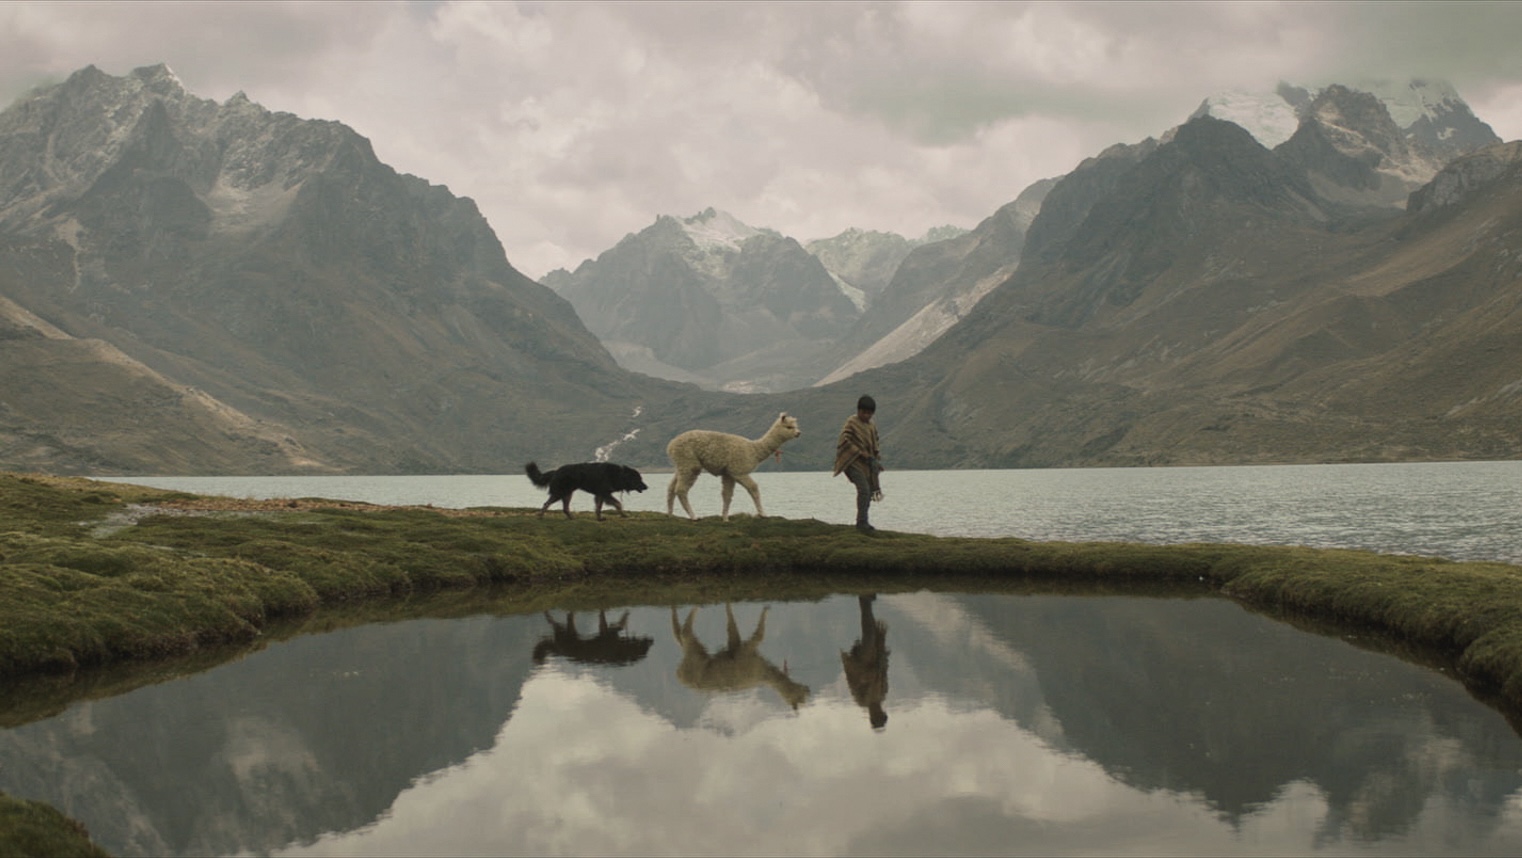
(538, 479)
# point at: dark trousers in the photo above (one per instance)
(857, 474)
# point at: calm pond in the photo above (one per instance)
(906, 723)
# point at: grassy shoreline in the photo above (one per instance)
(95, 573)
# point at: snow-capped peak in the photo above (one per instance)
(1412, 100)
(711, 229)
(1267, 116)
(159, 78)
(1272, 117)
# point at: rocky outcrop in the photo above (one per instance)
(1468, 175)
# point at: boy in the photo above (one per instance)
(857, 455)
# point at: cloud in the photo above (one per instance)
(573, 124)
(581, 770)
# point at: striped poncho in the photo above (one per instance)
(857, 448)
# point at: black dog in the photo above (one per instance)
(601, 479)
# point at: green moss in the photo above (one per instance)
(176, 582)
(31, 829)
(63, 504)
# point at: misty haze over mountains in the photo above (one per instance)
(1309, 275)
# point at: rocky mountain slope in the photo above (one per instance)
(1209, 306)
(864, 261)
(936, 285)
(192, 286)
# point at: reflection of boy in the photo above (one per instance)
(866, 665)
(858, 456)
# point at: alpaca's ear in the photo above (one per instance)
(782, 416)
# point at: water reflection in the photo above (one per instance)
(611, 645)
(1038, 724)
(866, 664)
(739, 666)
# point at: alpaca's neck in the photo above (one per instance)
(769, 443)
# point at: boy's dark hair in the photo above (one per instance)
(866, 403)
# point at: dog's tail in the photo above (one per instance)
(538, 479)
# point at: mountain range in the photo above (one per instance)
(711, 300)
(708, 298)
(193, 287)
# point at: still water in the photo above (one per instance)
(1460, 510)
(1008, 724)
(909, 723)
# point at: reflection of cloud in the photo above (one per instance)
(580, 770)
(257, 747)
(953, 628)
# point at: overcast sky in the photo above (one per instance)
(574, 124)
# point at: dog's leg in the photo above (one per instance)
(729, 493)
(755, 492)
(546, 506)
(565, 503)
(616, 505)
(597, 502)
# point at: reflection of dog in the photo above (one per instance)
(738, 667)
(600, 479)
(609, 646)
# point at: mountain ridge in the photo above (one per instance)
(207, 288)
(276, 266)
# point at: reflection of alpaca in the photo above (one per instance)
(737, 668)
(866, 665)
(730, 457)
(609, 646)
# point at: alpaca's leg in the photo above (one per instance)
(681, 481)
(732, 629)
(755, 492)
(729, 493)
(760, 633)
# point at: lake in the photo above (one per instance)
(906, 723)
(1460, 510)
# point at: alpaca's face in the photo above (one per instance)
(789, 425)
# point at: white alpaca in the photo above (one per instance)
(730, 457)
